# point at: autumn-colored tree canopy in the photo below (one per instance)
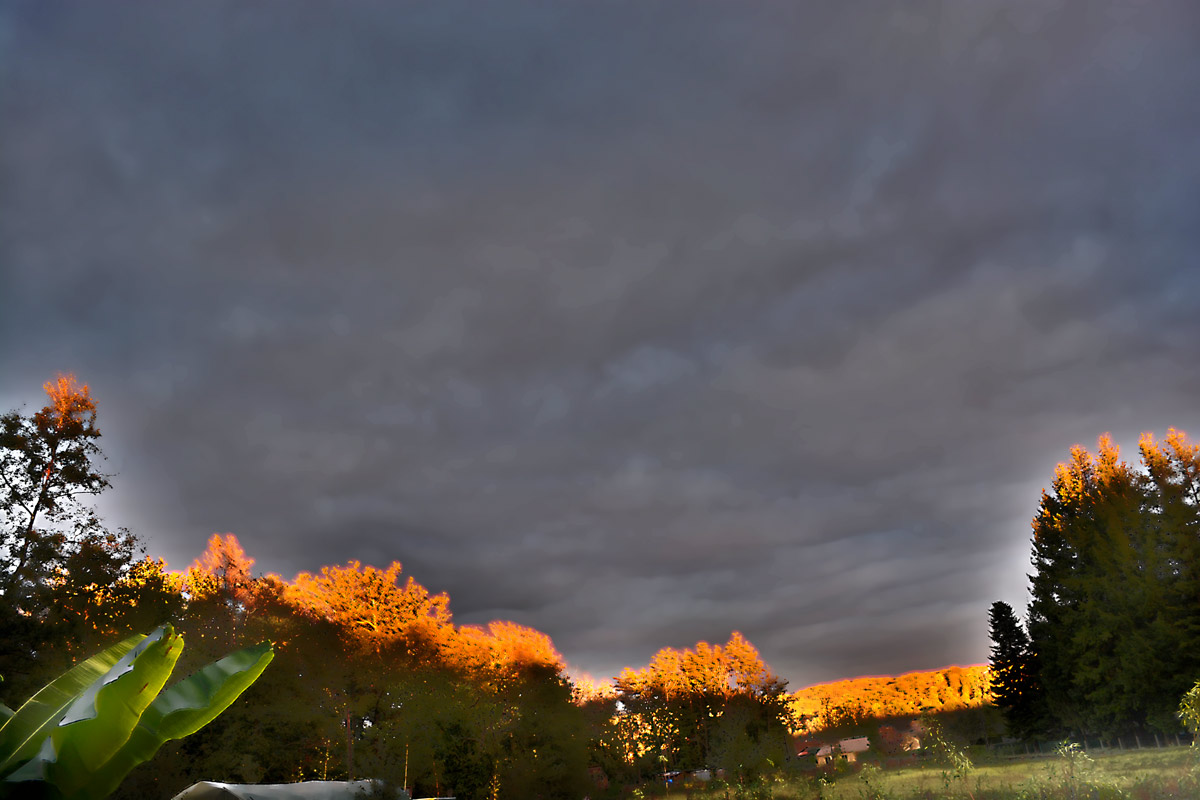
(46, 464)
(711, 705)
(370, 661)
(222, 569)
(717, 670)
(371, 605)
(504, 649)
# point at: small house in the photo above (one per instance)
(847, 750)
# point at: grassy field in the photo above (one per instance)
(1135, 775)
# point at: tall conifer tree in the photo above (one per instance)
(1014, 682)
(1113, 619)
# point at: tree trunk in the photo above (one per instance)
(349, 748)
(43, 491)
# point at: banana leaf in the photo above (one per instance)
(112, 724)
(180, 711)
(194, 702)
(99, 722)
(104, 715)
(22, 734)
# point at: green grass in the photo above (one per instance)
(1111, 774)
(1128, 775)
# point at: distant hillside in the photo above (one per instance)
(828, 705)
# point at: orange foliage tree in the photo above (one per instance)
(222, 594)
(586, 689)
(503, 652)
(472, 705)
(46, 465)
(680, 707)
(371, 606)
(222, 569)
(709, 670)
(54, 550)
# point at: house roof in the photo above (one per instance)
(857, 744)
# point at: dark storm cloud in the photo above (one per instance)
(635, 323)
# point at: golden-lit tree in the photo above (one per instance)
(586, 689)
(675, 704)
(524, 647)
(723, 671)
(503, 649)
(52, 543)
(223, 569)
(221, 593)
(46, 465)
(371, 606)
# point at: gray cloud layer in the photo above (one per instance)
(635, 323)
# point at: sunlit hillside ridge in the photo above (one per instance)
(828, 705)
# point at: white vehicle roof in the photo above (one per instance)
(309, 790)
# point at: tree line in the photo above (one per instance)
(857, 701)
(1111, 638)
(371, 678)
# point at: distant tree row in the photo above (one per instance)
(855, 701)
(1111, 638)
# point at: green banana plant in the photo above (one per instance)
(78, 737)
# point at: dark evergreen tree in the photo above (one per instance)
(1113, 620)
(1166, 640)
(1014, 680)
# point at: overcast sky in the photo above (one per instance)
(634, 322)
